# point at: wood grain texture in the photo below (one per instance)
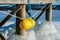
(22, 14)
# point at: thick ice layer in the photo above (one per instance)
(28, 35)
(45, 31)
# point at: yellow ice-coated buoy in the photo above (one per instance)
(32, 22)
(27, 24)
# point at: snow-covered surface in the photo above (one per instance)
(39, 33)
(28, 35)
(45, 31)
(57, 25)
(46, 27)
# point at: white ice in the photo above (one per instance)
(42, 31)
(45, 31)
(28, 35)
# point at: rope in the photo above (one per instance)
(38, 11)
(19, 17)
(11, 15)
(43, 10)
(18, 10)
(29, 7)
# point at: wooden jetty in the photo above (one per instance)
(26, 1)
(20, 11)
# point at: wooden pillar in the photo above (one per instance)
(21, 14)
(49, 13)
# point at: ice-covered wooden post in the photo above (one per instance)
(49, 13)
(46, 30)
(21, 13)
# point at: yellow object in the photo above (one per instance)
(27, 24)
(32, 22)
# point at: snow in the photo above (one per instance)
(57, 25)
(46, 27)
(42, 31)
(45, 31)
(28, 35)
